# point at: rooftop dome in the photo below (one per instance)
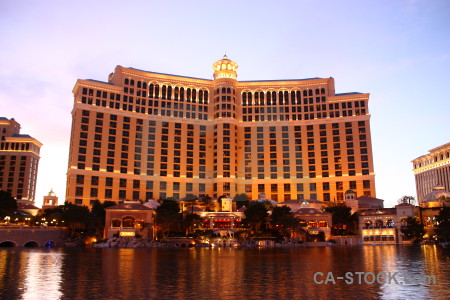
(438, 193)
(350, 192)
(51, 193)
(225, 68)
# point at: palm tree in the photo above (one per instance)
(406, 199)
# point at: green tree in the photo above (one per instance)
(256, 214)
(206, 203)
(406, 199)
(344, 222)
(8, 205)
(75, 217)
(284, 220)
(443, 200)
(98, 216)
(190, 220)
(413, 230)
(168, 217)
(190, 201)
(240, 200)
(443, 227)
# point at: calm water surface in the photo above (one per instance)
(220, 273)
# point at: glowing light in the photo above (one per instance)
(127, 233)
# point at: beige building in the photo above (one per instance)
(431, 170)
(129, 219)
(383, 226)
(19, 159)
(145, 135)
(50, 200)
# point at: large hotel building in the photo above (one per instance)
(432, 170)
(145, 135)
(19, 160)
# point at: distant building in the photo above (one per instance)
(19, 159)
(361, 202)
(129, 219)
(431, 170)
(50, 201)
(383, 226)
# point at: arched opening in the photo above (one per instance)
(390, 223)
(31, 244)
(164, 90)
(7, 244)
(115, 223)
(128, 222)
(182, 94)
(169, 92)
(156, 96)
(378, 223)
(50, 244)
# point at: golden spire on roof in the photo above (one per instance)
(225, 68)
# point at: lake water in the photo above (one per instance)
(224, 273)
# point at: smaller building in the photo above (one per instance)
(222, 220)
(438, 197)
(383, 226)
(362, 202)
(129, 219)
(315, 221)
(431, 206)
(50, 201)
(27, 209)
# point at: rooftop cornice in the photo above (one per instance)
(162, 76)
(95, 84)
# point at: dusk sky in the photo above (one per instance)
(398, 51)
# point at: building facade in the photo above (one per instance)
(145, 135)
(384, 226)
(431, 170)
(19, 160)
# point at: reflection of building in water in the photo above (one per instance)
(43, 275)
(384, 225)
(130, 218)
(431, 170)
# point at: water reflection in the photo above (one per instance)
(218, 273)
(30, 274)
(42, 275)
